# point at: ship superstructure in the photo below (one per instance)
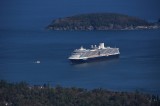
(95, 53)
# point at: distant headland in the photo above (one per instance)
(101, 21)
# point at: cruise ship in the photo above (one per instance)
(95, 53)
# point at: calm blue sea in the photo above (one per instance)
(137, 68)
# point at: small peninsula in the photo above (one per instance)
(101, 21)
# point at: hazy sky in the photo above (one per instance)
(38, 13)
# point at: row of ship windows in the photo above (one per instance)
(108, 51)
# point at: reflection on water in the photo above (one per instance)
(99, 63)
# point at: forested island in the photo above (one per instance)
(23, 94)
(101, 21)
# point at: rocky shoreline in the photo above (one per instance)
(91, 28)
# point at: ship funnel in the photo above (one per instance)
(91, 46)
(81, 48)
(101, 45)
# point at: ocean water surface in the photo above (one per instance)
(137, 68)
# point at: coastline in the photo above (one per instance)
(103, 28)
(22, 93)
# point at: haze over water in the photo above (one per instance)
(23, 41)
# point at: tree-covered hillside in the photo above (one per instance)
(23, 94)
(98, 21)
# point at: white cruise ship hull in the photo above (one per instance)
(93, 59)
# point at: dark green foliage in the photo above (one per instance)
(97, 21)
(21, 94)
